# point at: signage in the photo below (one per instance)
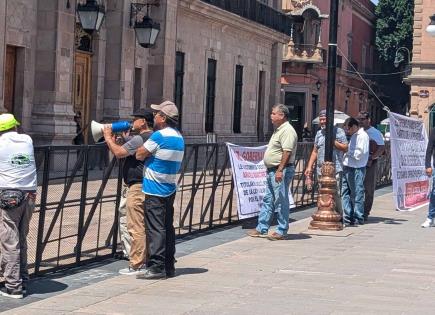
(423, 93)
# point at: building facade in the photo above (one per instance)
(422, 77)
(220, 61)
(304, 71)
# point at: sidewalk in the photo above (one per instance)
(385, 266)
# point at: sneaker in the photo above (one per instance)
(275, 237)
(10, 293)
(170, 273)
(151, 274)
(255, 233)
(130, 271)
(427, 223)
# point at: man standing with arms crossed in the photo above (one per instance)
(17, 201)
(279, 161)
(134, 241)
(163, 154)
(375, 151)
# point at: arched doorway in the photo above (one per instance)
(82, 81)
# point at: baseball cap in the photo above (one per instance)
(322, 113)
(145, 113)
(168, 108)
(7, 121)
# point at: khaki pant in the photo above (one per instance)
(136, 225)
(14, 227)
(123, 232)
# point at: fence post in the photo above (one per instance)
(83, 194)
(42, 209)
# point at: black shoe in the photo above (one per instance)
(170, 273)
(151, 274)
(15, 294)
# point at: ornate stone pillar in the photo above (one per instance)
(52, 112)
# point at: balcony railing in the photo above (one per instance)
(304, 53)
(256, 12)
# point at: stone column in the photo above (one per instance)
(52, 113)
(275, 82)
(2, 51)
(120, 57)
(162, 57)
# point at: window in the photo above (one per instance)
(210, 97)
(238, 88)
(178, 88)
(339, 61)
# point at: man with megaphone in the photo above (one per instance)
(132, 238)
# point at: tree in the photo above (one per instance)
(394, 27)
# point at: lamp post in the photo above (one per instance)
(146, 30)
(326, 218)
(91, 15)
(430, 29)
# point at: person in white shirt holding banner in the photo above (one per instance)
(354, 169)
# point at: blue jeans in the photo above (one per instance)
(276, 199)
(352, 194)
(431, 213)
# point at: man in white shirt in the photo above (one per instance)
(354, 168)
(376, 149)
(17, 201)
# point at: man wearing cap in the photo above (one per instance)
(318, 154)
(17, 201)
(132, 221)
(376, 149)
(163, 153)
(279, 160)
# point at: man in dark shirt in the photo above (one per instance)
(430, 154)
(133, 176)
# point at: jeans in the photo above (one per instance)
(431, 213)
(160, 232)
(276, 199)
(352, 194)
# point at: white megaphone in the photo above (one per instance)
(97, 130)
(118, 126)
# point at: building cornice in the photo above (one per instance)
(200, 8)
(358, 7)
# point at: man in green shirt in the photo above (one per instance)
(279, 160)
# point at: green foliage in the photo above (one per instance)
(394, 27)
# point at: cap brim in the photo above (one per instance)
(155, 107)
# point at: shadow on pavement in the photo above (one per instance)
(189, 271)
(44, 286)
(374, 220)
(295, 237)
(252, 223)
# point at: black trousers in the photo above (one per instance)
(160, 232)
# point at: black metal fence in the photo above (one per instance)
(79, 190)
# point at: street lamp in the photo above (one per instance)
(346, 101)
(399, 58)
(91, 15)
(146, 29)
(348, 93)
(326, 218)
(318, 85)
(430, 29)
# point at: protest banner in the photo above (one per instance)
(249, 175)
(408, 140)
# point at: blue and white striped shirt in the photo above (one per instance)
(160, 171)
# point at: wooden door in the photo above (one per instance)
(11, 61)
(82, 88)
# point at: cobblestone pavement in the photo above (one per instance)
(383, 267)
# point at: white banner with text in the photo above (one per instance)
(408, 140)
(249, 175)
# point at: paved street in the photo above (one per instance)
(383, 267)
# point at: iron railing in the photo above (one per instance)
(257, 12)
(79, 190)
